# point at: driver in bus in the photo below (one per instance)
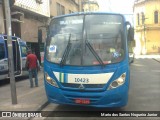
(118, 52)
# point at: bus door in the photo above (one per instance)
(23, 48)
(3, 60)
(16, 56)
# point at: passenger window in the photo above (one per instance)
(2, 51)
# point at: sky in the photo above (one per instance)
(119, 6)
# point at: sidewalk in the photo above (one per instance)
(29, 99)
(155, 57)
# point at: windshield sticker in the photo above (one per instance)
(116, 54)
(52, 48)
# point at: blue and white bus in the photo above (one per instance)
(19, 56)
(86, 60)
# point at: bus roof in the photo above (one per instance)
(13, 37)
(3, 37)
(87, 13)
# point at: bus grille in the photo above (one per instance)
(71, 85)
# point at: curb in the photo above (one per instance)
(156, 60)
(43, 106)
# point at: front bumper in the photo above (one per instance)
(110, 98)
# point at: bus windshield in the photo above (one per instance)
(86, 40)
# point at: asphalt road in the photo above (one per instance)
(144, 93)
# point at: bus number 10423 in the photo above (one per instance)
(81, 80)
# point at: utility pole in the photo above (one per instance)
(10, 52)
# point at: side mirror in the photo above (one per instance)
(131, 45)
(130, 29)
(131, 34)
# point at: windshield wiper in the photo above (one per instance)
(66, 52)
(94, 53)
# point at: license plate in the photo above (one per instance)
(82, 101)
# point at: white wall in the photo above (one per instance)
(33, 6)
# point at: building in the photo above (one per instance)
(60, 7)
(27, 18)
(147, 26)
(90, 5)
(2, 29)
(30, 15)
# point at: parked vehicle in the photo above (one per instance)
(19, 56)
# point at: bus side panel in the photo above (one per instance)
(3, 60)
(3, 68)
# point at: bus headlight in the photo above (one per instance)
(50, 80)
(118, 82)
